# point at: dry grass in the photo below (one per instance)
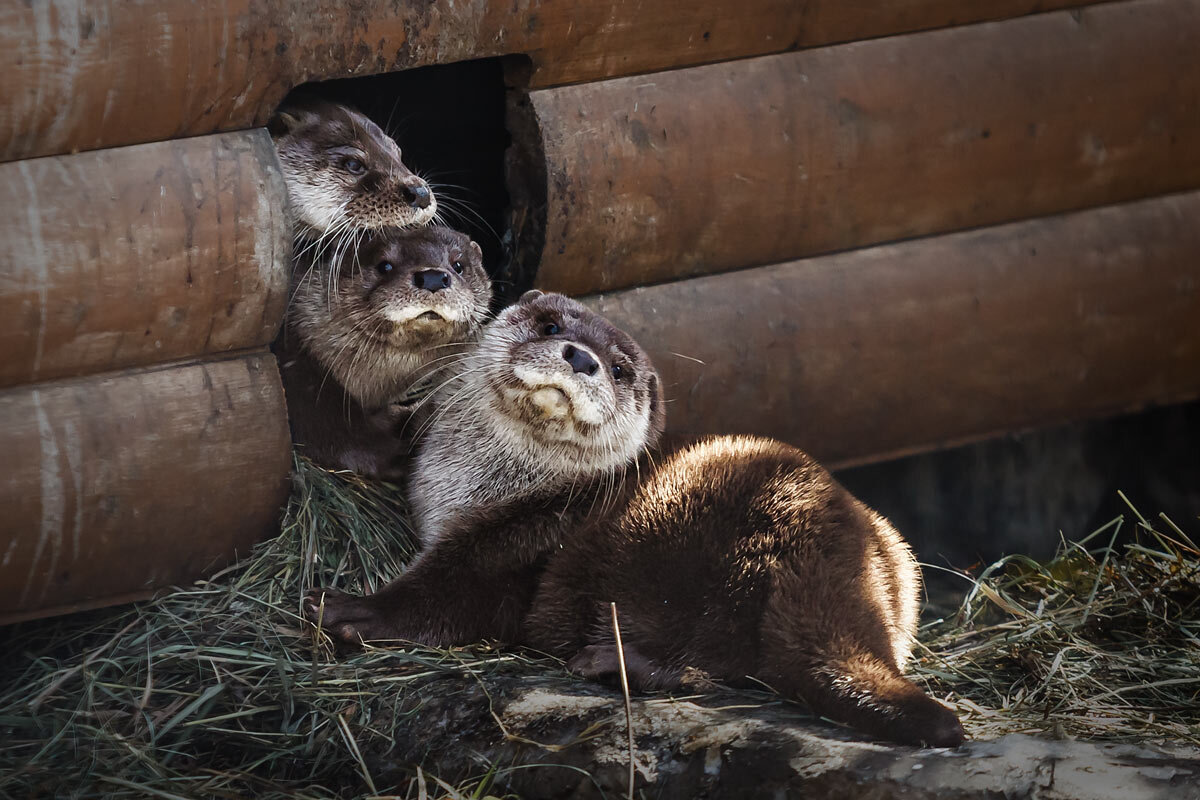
(214, 691)
(1099, 642)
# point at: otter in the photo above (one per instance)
(369, 327)
(537, 505)
(343, 173)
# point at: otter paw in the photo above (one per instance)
(930, 724)
(347, 618)
(601, 662)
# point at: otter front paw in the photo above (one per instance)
(347, 618)
(601, 662)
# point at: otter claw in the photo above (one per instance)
(314, 600)
(347, 618)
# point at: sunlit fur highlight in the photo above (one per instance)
(738, 556)
(743, 558)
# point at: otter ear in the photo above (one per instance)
(530, 296)
(282, 123)
(476, 249)
(658, 414)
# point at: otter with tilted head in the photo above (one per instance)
(737, 556)
(343, 173)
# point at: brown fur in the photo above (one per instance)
(743, 557)
(343, 172)
(737, 556)
(505, 500)
(359, 339)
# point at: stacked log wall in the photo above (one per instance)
(867, 230)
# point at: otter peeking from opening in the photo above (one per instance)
(739, 556)
(343, 172)
(367, 329)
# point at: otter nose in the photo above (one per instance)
(417, 196)
(433, 280)
(580, 360)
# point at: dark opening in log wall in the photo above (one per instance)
(450, 123)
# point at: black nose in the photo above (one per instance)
(417, 196)
(433, 280)
(579, 360)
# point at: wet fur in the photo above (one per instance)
(737, 556)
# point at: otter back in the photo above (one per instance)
(743, 558)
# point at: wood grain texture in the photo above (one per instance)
(87, 74)
(759, 161)
(120, 484)
(140, 255)
(906, 347)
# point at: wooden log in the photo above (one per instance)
(93, 74)
(140, 255)
(760, 161)
(906, 347)
(119, 484)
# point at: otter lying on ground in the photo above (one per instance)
(367, 328)
(737, 556)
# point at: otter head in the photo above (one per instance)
(551, 396)
(579, 392)
(376, 314)
(343, 172)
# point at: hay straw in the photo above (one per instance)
(1099, 642)
(215, 691)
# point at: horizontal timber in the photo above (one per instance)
(892, 350)
(119, 484)
(760, 161)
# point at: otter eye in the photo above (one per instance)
(385, 267)
(458, 266)
(617, 372)
(550, 329)
(354, 166)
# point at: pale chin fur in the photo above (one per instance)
(584, 408)
(403, 314)
(315, 210)
(493, 457)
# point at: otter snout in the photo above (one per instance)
(431, 280)
(417, 195)
(580, 360)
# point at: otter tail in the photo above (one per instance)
(864, 691)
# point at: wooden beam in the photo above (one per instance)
(140, 255)
(92, 74)
(891, 350)
(759, 161)
(119, 484)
